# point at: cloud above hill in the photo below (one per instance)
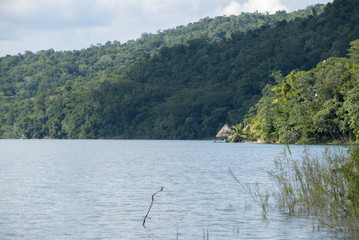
(235, 7)
(75, 24)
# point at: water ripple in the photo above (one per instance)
(81, 189)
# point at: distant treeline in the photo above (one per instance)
(183, 83)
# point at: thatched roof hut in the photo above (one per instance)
(225, 132)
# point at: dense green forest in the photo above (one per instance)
(183, 83)
(320, 105)
(49, 69)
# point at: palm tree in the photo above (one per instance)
(238, 133)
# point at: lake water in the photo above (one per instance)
(101, 189)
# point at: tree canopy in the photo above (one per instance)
(316, 106)
(168, 88)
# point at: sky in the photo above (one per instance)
(33, 25)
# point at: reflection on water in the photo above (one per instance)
(99, 189)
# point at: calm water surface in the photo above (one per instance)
(101, 189)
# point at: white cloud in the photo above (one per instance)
(44, 14)
(235, 8)
(75, 24)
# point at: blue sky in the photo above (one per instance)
(75, 24)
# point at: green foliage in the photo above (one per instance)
(326, 187)
(182, 83)
(350, 172)
(354, 51)
(320, 105)
(238, 133)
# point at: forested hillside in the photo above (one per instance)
(27, 74)
(320, 105)
(181, 91)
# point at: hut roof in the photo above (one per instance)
(224, 132)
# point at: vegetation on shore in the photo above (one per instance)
(166, 89)
(327, 187)
(316, 106)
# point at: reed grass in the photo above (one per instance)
(260, 198)
(205, 234)
(327, 187)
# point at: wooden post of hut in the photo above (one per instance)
(225, 132)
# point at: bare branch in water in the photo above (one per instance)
(153, 199)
